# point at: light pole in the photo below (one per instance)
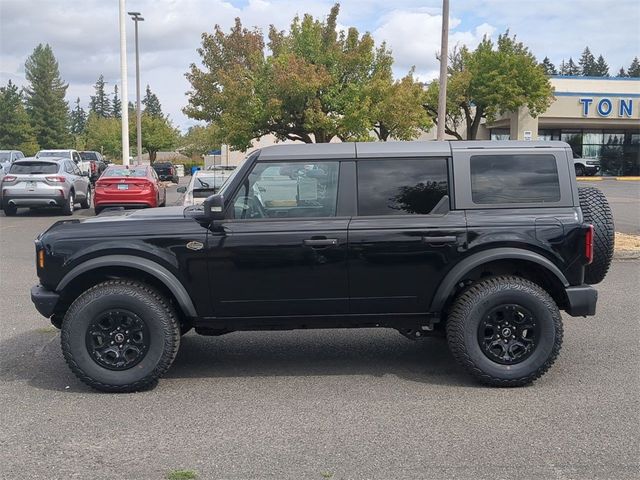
(444, 56)
(135, 16)
(123, 80)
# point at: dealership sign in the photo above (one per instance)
(606, 107)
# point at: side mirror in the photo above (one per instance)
(181, 189)
(214, 207)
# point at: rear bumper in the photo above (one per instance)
(48, 199)
(582, 300)
(44, 300)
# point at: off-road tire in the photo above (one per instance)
(68, 207)
(9, 210)
(86, 203)
(597, 212)
(150, 306)
(471, 306)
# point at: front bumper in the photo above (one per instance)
(582, 300)
(44, 299)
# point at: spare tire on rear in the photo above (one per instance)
(596, 211)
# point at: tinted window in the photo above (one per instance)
(288, 190)
(62, 154)
(88, 156)
(125, 172)
(514, 179)
(401, 186)
(34, 168)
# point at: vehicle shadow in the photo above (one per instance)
(34, 356)
(53, 212)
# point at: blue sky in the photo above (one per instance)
(84, 33)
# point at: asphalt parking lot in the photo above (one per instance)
(340, 404)
(624, 198)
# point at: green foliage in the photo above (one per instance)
(78, 118)
(104, 135)
(45, 99)
(182, 475)
(16, 132)
(549, 68)
(317, 84)
(116, 104)
(569, 68)
(634, 69)
(151, 104)
(157, 134)
(489, 81)
(587, 64)
(602, 68)
(622, 73)
(199, 140)
(100, 103)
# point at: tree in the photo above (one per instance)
(634, 69)
(622, 73)
(549, 68)
(157, 134)
(316, 84)
(587, 63)
(16, 132)
(151, 104)
(602, 68)
(489, 81)
(78, 118)
(45, 99)
(116, 104)
(100, 103)
(199, 140)
(104, 135)
(572, 68)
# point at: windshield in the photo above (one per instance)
(4, 156)
(124, 172)
(44, 153)
(33, 168)
(88, 156)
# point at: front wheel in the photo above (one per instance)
(69, 206)
(580, 170)
(505, 331)
(86, 203)
(120, 336)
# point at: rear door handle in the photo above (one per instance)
(440, 240)
(320, 242)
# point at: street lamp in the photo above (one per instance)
(135, 16)
(123, 79)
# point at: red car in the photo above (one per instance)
(129, 187)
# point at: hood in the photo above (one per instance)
(161, 213)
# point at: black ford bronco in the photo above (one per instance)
(484, 242)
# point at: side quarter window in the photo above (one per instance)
(288, 190)
(401, 186)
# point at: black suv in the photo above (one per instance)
(484, 242)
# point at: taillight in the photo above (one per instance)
(588, 244)
(55, 179)
(9, 178)
(93, 167)
(171, 171)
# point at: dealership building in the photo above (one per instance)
(599, 118)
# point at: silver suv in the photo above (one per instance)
(40, 182)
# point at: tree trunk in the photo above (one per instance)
(152, 156)
(473, 123)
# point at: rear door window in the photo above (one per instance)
(507, 179)
(401, 186)
(33, 168)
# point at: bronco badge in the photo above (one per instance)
(195, 245)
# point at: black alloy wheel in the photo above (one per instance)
(508, 334)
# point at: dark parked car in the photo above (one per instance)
(484, 242)
(97, 164)
(166, 171)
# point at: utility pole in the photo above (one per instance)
(135, 16)
(123, 85)
(444, 56)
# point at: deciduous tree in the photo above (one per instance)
(157, 134)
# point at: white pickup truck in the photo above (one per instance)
(83, 165)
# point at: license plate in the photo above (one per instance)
(123, 186)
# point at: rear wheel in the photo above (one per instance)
(596, 211)
(120, 336)
(9, 209)
(505, 331)
(70, 204)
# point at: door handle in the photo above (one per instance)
(320, 242)
(440, 240)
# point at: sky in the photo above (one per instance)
(84, 34)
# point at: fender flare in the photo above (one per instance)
(167, 278)
(457, 273)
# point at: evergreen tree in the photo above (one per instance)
(621, 73)
(549, 68)
(572, 68)
(587, 63)
(634, 69)
(16, 132)
(78, 118)
(44, 98)
(602, 68)
(100, 103)
(151, 104)
(563, 67)
(116, 104)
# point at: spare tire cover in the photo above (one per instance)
(596, 211)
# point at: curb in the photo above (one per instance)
(600, 179)
(628, 179)
(589, 179)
